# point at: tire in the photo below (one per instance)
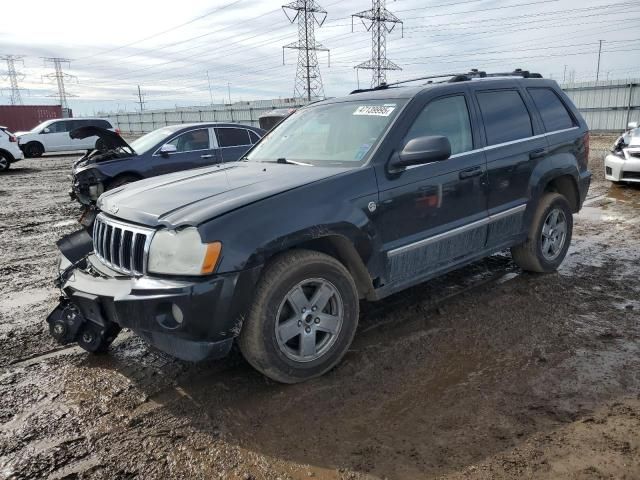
(311, 349)
(120, 181)
(544, 253)
(33, 150)
(5, 162)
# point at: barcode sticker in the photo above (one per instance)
(375, 110)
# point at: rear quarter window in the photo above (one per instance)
(555, 115)
(505, 116)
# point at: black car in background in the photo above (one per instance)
(165, 150)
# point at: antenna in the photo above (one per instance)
(60, 77)
(382, 23)
(308, 80)
(13, 76)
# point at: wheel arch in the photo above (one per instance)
(342, 249)
(37, 142)
(8, 154)
(567, 186)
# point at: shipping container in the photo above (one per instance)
(19, 118)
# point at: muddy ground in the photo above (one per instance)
(488, 372)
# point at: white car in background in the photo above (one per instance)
(53, 136)
(9, 150)
(623, 163)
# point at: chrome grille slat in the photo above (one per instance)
(121, 246)
(112, 256)
(132, 261)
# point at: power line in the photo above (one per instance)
(382, 23)
(200, 17)
(13, 75)
(308, 80)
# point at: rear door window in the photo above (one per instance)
(100, 123)
(505, 116)
(232, 137)
(555, 115)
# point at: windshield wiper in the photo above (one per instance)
(292, 162)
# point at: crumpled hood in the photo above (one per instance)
(195, 196)
(18, 134)
(111, 139)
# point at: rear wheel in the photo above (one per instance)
(5, 162)
(33, 149)
(549, 236)
(303, 317)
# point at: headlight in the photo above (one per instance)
(182, 253)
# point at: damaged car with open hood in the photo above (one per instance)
(165, 150)
(346, 199)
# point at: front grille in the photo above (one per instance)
(121, 246)
(631, 175)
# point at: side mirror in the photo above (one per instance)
(632, 125)
(421, 150)
(167, 148)
(46, 130)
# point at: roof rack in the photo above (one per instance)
(455, 77)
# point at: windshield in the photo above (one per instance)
(341, 134)
(150, 140)
(42, 126)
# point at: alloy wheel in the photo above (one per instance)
(554, 234)
(309, 320)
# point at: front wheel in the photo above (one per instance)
(549, 236)
(33, 150)
(303, 317)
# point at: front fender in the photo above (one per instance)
(336, 206)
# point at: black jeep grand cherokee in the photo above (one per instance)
(350, 198)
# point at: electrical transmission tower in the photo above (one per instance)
(141, 101)
(382, 22)
(59, 76)
(308, 14)
(13, 75)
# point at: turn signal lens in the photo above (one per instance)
(211, 257)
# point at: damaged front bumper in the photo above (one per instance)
(189, 319)
(86, 189)
(623, 169)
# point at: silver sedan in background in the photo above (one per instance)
(623, 163)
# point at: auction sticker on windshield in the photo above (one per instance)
(375, 110)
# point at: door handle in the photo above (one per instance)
(538, 153)
(470, 172)
(206, 156)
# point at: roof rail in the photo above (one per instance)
(455, 77)
(475, 73)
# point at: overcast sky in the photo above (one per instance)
(168, 47)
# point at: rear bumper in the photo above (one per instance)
(584, 183)
(189, 319)
(621, 170)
